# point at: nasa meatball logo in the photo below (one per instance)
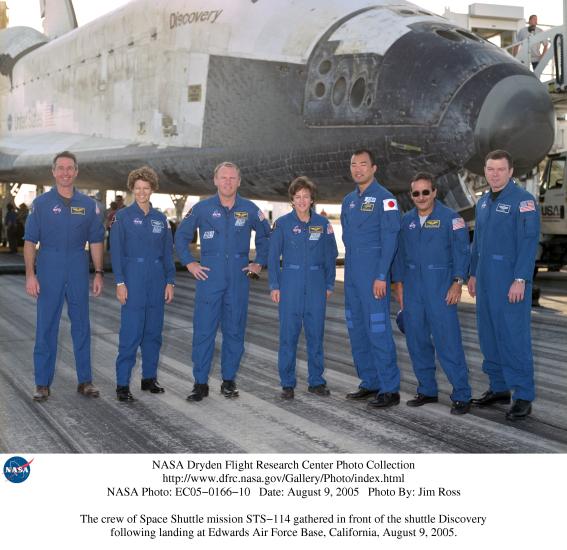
(296, 230)
(216, 214)
(56, 209)
(17, 469)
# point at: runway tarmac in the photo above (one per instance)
(259, 420)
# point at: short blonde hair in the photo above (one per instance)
(145, 173)
(227, 165)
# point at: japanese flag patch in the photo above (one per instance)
(458, 223)
(527, 206)
(390, 204)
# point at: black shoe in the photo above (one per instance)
(123, 394)
(460, 407)
(384, 400)
(151, 385)
(492, 398)
(199, 391)
(520, 409)
(228, 388)
(321, 389)
(361, 393)
(287, 393)
(421, 399)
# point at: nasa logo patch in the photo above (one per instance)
(17, 469)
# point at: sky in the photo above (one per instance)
(26, 12)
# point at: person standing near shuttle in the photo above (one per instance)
(225, 222)
(62, 221)
(431, 265)
(371, 222)
(142, 263)
(537, 49)
(306, 244)
(502, 266)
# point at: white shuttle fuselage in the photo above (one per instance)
(281, 87)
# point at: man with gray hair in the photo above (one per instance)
(225, 222)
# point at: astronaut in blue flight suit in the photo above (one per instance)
(371, 222)
(225, 222)
(502, 266)
(142, 263)
(306, 244)
(431, 264)
(62, 221)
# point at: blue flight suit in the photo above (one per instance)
(308, 251)
(429, 257)
(504, 248)
(371, 222)
(63, 273)
(142, 258)
(223, 297)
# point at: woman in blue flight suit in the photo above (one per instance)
(142, 262)
(301, 285)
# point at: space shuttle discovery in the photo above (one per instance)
(281, 87)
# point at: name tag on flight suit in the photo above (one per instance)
(240, 218)
(433, 224)
(157, 226)
(315, 232)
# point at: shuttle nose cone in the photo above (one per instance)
(517, 116)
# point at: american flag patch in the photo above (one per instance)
(329, 229)
(458, 223)
(527, 206)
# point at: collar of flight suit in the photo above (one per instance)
(372, 189)
(506, 190)
(138, 210)
(58, 195)
(415, 212)
(297, 217)
(237, 202)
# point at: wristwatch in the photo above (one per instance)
(523, 281)
(459, 280)
(99, 272)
